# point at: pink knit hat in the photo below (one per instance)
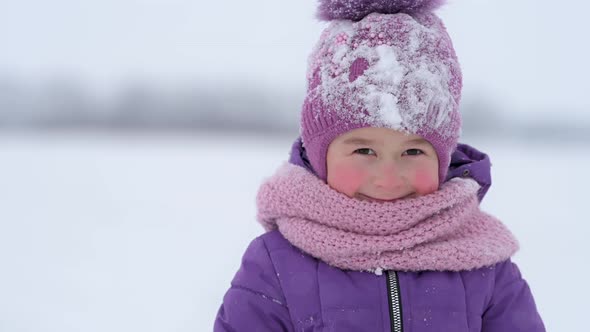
(382, 63)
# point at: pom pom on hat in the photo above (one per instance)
(357, 9)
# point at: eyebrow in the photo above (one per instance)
(416, 141)
(364, 141)
(358, 141)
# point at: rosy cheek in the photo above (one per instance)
(425, 181)
(346, 179)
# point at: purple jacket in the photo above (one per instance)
(280, 288)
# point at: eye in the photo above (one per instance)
(413, 152)
(365, 151)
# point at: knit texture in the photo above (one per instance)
(396, 71)
(442, 231)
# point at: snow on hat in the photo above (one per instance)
(382, 63)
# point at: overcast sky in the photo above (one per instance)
(527, 56)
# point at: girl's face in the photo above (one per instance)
(381, 164)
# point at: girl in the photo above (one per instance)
(374, 224)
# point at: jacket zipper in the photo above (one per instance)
(395, 304)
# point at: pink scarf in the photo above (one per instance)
(442, 231)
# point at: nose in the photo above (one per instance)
(388, 176)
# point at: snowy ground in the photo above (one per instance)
(144, 233)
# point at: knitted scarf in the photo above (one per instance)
(442, 231)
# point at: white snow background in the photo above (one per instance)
(144, 233)
(132, 233)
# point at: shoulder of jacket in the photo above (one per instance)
(284, 255)
(485, 278)
(274, 241)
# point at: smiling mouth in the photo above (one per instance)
(372, 199)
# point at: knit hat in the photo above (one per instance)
(382, 63)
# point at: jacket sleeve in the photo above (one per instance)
(255, 301)
(511, 307)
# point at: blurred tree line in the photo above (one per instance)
(198, 106)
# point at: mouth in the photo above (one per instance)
(363, 197)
